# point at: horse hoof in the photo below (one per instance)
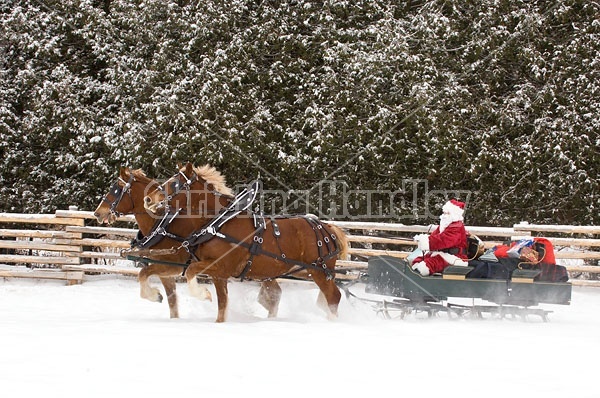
(152, 295)
(332, 315)
(203, 294)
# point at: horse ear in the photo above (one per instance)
(179, 165)
(189, 167)
(123, 172)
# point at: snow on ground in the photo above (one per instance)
(99, 339)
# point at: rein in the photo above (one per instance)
(147, 261)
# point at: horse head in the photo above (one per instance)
(125, 195)
(197, 189)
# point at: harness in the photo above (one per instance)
(326, 242)
(255, 248)
(118, 193)
(240, 203)
(159, 232)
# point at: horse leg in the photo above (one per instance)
(329, 296)
(222, 298)
(170, 290)
(322, 302)
(146, 291)
(200, 292)
(269, 296)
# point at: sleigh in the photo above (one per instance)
(516, 289)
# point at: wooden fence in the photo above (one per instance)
(69, 244)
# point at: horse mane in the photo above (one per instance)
(141, 175)
(138, 173)
(212, 176)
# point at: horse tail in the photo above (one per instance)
(342, 241)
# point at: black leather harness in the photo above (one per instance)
(326, 242)
(158, 233)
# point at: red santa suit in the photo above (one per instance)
(447, 244)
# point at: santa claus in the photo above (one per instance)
(447, 244)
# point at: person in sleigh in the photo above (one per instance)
(447, 244)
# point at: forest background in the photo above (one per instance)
(494, 101)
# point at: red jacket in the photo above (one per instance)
(453, 237)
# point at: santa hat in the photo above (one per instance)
(455, 208)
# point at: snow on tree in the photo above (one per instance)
(498, 98)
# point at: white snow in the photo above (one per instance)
(99, 339)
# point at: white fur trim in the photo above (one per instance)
(424, 243)
(421, 267)
(451, 259)
(454, 211)
(417, 237)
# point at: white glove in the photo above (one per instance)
(461, 263)
(422, 242)
(421, 268)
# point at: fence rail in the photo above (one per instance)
(70, 244)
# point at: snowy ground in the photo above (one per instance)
(99, 339)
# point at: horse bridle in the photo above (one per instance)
(177, 188)
(118, 192)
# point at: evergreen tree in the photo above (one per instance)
(494, 99)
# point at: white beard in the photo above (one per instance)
(445, 220)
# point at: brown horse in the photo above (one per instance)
(231, 241)
(126, 197)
